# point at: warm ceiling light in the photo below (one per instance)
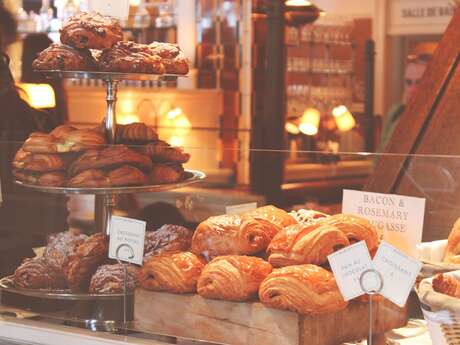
(309, 123)
(298, 3)
(292, 128)
(343, 118)
(39, 95)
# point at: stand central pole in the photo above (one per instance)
(104, 203)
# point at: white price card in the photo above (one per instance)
(398, 272)
(127, 239)
(241, 208)
(348, 264)
(398, 219)
(114, 8)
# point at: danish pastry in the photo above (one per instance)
(305, 289)
(130, 57)
(231, 235)
(111, 278)
(83, 264)
(171, 272)
(64, 58)
(355, 228)
(452, 254)
(36, 274)
(305, 244)
(110, 157)
(91, 30)
(233, 277)
(169, 238)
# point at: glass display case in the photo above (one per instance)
(160, 308)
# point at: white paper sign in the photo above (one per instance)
(398, 219)
(347, 265)
(127, 237)
(241, 208)
(114, 8)
(398, 271)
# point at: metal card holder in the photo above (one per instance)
(125, 278)
(371, 282)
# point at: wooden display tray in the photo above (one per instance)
(191, 316)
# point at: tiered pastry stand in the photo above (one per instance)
(104, 203)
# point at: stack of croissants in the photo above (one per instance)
(81, 158)
(279, 257)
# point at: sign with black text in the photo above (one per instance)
(127, 238)
(398, 219)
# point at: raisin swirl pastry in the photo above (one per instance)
(130, 57)
(110, 279)
(64, 58)
(87, 258)
(61, 247)
(355, 228)
(233, 277)
(305, 244)
(109, 158)
(169, 238)
(305, 289)
(91, 30)
(231, 235)
(37, 274)
(171, 272)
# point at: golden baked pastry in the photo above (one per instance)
(167, 239)
(135, 133)
(305, 289)
(61, 132)
(91, 178)
(161, 151)
(273, 216)
(91, 30)
(64, 58)
(87, 258)
(127, 175)
(446, 285)
(110, 279)
(166, 173)
(172, 57)
(47, 179)
(41, 143)
(37, 274)
(130, 57)
(233, 277)
(110, 157)
(231, 235)
(307, 216)
(39, 162)
(452, 254)
(355, 228)
(305, 244)
(171, 272)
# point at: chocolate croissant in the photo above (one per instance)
(111, 279)
(305, 244)
(171, 272)
(233, 277)
(231, 235)
(452, 254)
(167, 239)
(305, 289)
(355, 228)
(446, 285)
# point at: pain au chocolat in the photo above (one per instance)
(171, 272)
(91, 30)
(305, 289)
(233, 277)
(305, 244)
(65, 58)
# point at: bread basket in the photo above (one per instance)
(441, 312)
(431, 254)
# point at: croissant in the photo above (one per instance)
(446, 285)
(272, 216)
(39, 162)
(305, 244)
(61, 132)
(127, 175)
(81, 140)
(166, 173)
(41, 143)
(231, 235)
(47, 179)
(452, 254)
(233, 277)
(91, 178)
(135, 133)
(305, 289)
(161, 151)
(355, 228)
(169, 238)
(171, 272)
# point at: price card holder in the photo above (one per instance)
(371, 282)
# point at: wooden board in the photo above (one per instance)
(429, 126)
(192, 316)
